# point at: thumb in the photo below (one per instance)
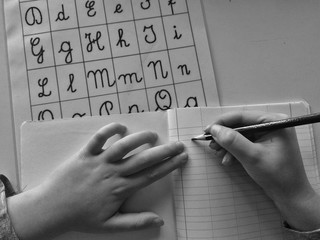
(233, 142)
(133, 221)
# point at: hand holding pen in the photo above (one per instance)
(273, 160)
(269, 126)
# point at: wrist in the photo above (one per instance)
(301, 212)
(32, 216)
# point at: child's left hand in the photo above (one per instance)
(86, 192)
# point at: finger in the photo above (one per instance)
(235, 143)
(227, 159)
(132, 221)
(98, 140)
(150, 157)
(125, 145)
(215, 146)
(218, 151)
(156, 172)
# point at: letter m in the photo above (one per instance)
(100, 75)
(131, 77)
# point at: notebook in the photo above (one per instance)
(208, 201)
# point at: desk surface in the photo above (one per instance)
(263, 52)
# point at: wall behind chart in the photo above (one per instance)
(266, 51)
(7, 149)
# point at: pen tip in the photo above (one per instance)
(197, 137)
(202, 137)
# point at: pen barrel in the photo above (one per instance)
(280, 124)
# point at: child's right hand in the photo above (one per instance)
(273, 160)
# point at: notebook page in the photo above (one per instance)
(45, 145)
(217, 202)
(74, 58)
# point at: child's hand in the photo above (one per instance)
(86, 192)
(273, 160)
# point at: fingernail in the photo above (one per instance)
(158, 222)
(180, 146)
(226, 161)
(184, 157)
(155, 136)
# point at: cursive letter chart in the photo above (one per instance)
(76, 58)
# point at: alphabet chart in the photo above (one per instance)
(75, 58)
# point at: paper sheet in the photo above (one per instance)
(79, 58)
(216, 202)
(47, 144)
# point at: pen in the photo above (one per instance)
(270, 126)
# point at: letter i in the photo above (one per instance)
(177, 35)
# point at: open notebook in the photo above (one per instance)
(210, 201)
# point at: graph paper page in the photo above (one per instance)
(217, 202)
